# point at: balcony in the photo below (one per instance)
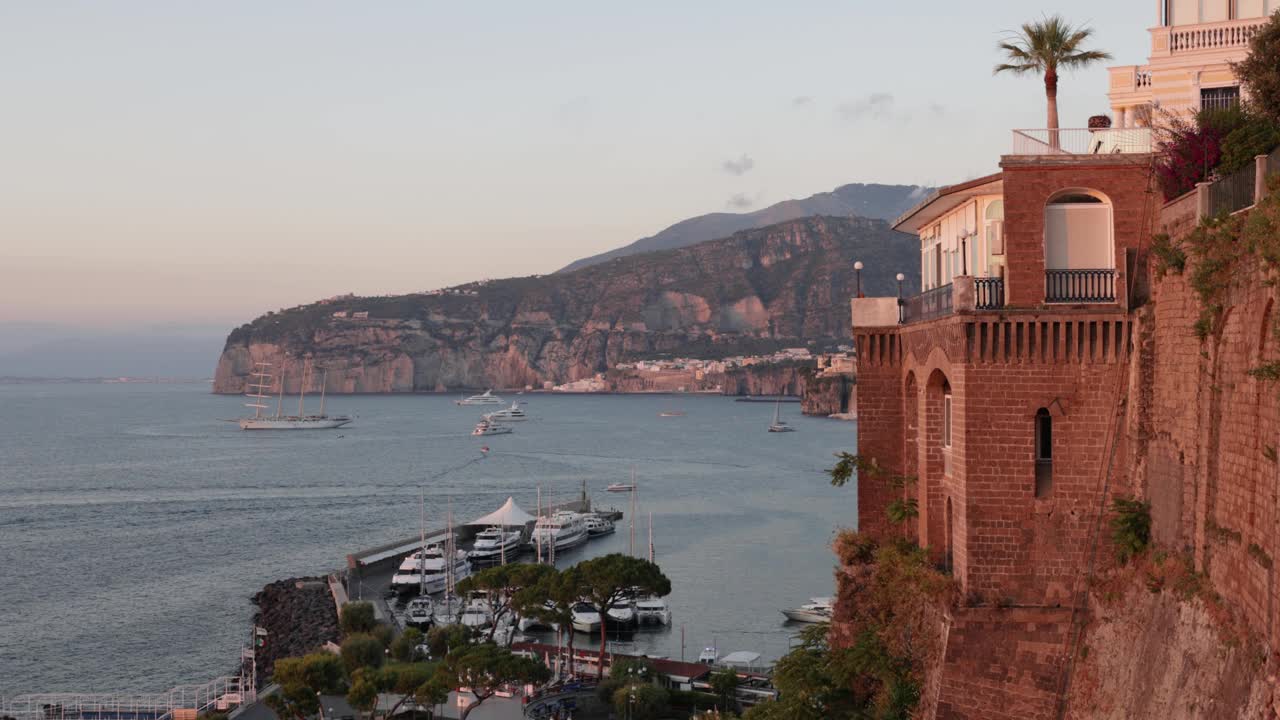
(1080, 286)
(1082, 141)
(966, 294)
(1205, 37)
(928, 305)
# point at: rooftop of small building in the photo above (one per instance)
(946, 199)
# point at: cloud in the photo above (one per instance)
(878, 105)
(937, 109)
(801, 101)
(739, 167)
(739, 201)
(916, 193)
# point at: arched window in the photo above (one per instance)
(1044, 453)
(1079, 248)
(994, 223)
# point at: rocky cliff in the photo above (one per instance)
(758, 289)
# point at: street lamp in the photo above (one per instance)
(857, 272)
(901, 302)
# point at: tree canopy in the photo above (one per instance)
(502, 584)
(1259, 72)
(486, 668)
(302, 678)
(607, 579)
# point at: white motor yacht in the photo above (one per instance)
(495, 543)
(511, 414)
(488, 427)
(425, 570)
(476, 614)
(418, 613)
(653, 611)
(709, 656)
(485, 398)
(586, 618)
(597, 526)
(622, 616)
(817, 610)
(561, 531)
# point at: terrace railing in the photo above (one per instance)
(1082, 141)
(928, 305)
(1214, 36)
(988, 293)
(1080, 286)
(1233, 192)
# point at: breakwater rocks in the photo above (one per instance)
(298, 615)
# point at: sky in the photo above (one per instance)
(201, 163)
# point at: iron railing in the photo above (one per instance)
(1082, 141)
(1080, 286)
(927, 305)
(1233, 192)
(988, 293)
(181, 703)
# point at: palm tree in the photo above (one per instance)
(1047, 46)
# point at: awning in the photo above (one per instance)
(508, 515)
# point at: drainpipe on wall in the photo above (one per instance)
(1259, 178)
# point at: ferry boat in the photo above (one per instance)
(561, 531)
(260, 384)
(427, 570)
(817, 610)
(485, 398)
(486, 427)
(495, 543)
(779, 425)
(511, 414)
(597, 526)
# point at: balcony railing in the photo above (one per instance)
(1080, 286)
(927, 305)
(1082, 141)
(1214, 36)
(988, 293)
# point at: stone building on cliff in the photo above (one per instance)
(1043, 372)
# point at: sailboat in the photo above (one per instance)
(261, 381)
(779, 425)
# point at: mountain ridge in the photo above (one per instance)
(868, 200)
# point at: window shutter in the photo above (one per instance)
(995, 237)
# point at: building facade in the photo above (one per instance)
(1193, 45)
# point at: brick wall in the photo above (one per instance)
(1029, 183)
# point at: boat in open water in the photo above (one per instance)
(485, 398)
(817, 610)
(260, 383)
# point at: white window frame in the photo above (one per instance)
(946, 421)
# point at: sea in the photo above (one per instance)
(136, 522)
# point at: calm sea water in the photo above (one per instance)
(134, 526)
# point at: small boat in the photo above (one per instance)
(511, 414)
(708, 656)
(671, 413)
(779, 425)
(419, 613)
(495, 544)
(653, 611)
(586, 618)
(621, 487)
(486, 427)
(448, 612)
(485, 398)
(597, 526)
(817, 610)
(534, 624)
(622, 616)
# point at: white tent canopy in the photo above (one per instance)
(508, 515)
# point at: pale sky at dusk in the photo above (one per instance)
(206, 162)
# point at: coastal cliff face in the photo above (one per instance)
(756, 290)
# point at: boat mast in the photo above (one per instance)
(450, 559)
(324, 377)
(537, 525)
(261, 382)
(422, 533)
(633, 511)
(280, 398)
(302, 386)
(650, 536)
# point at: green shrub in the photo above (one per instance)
(358, 617)
(362, 650)
(1170, 257)
(1130, 527)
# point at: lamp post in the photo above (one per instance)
(901, 302)
(857, 273)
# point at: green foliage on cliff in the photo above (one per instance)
(1130, 528)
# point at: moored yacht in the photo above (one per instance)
(418, 613)
(495, 544)
(427, 571)
(489, 427)
(476, 614)
(597, 526)
(485, 398)
(260, 384)
(653, 611)
(561, 531)
(586, 618)
(511, 414)
(817, 610)
(448, 611)
(622, 616)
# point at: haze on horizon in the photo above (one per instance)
(200, 164)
